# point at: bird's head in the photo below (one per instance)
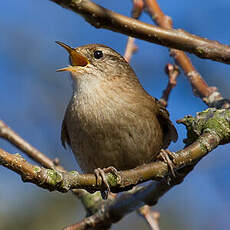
(96, 62)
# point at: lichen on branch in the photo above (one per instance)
(206, 131)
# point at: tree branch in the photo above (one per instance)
(131, 48)
(126, 202)
(100, 17)
(151, 217)
(8, 134)
(172, 72)
(209, 129)
(205, 132)
(209, 95)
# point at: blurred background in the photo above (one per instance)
(33, 99)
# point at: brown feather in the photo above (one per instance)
(65, 139)
(169, 131)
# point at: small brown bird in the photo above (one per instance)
(111, 120)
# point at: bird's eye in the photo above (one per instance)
(98, 54)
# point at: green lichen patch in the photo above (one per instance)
(18, 155)
(211, 120)
(112, 179)
(37, 169)
(53, 177)
(74, 173)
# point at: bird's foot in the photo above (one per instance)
(101, 173)
(168, 157)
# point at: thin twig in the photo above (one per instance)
(172, 72)
(209, 95)
(138, 6)
(151, 217)
(7, 133)
(131, 48)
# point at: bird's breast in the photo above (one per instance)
(110, 129)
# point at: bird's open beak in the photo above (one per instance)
(76, 58)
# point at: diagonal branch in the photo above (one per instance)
(100, 17)
(151, 217)
(207, 130)
(172, 72)
(129, 201)
(209, 95)
(10, 135)
(7, 133)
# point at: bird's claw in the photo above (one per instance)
(166, 155)
(101, 173)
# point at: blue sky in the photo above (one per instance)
(33, 98)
